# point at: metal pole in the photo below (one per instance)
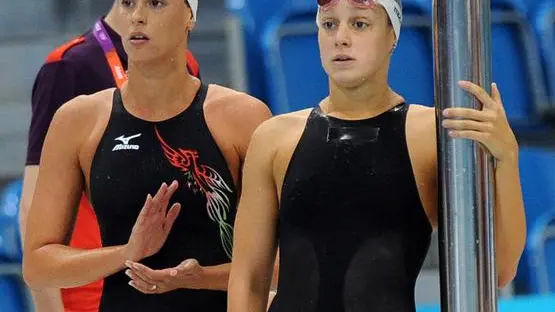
(466, 229)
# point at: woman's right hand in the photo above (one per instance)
(153, 224)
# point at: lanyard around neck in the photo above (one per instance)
(110, 53)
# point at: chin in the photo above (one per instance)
(348, 80)
(143, 56)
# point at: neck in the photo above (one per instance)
(366, 100)
(158, 88)
(111, 20)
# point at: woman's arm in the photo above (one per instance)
(510, 224)
(255, 229)
(491, 128)
(48, 262)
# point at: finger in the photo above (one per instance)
(142, 277)
(145, 210)
(143, 287)
(496, 95)
(164, 202)
(145, 273)
(479, 93)
(136, 277)
(173, 187)
(468, 125)
(160, 194)
(469, 113)
(171, 217)
(161, 278)
(480, 137)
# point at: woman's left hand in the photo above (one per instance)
(488, 126)
(188, 274)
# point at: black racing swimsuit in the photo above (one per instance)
(353, 233)
(133, 159)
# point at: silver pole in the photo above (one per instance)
(466, 231)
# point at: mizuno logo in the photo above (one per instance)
(125, 143)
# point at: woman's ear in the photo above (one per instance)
(394, 39)
(190, 24)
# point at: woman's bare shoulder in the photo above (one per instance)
(75, 120)
(84, 108)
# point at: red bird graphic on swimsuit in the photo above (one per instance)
(204, 179)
